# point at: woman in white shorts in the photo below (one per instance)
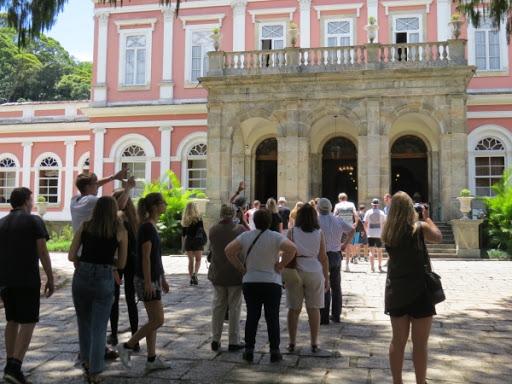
(310, 279)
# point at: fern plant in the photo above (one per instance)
(499, 213)
(176, 198)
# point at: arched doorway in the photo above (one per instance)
(266, 170)
(339, 169)
(409, 167)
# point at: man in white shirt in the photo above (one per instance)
(250, 214)
(346, 210)
(374, 220)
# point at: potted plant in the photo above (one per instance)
(465, 199)
(216, 38)
(41, 205)
(294, 32)
(455, 25)
(372, 28)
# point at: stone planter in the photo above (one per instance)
(466, 237)
(372, 32)
(465, 205)
(294, 32)
(455, 27)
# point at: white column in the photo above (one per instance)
(100, 88)
(99, 142)
(166, 86)
(70, 159)
(373, 11)
(165, 151)
(444, 10)
(239, 7)
(305, 23)
(27, 163)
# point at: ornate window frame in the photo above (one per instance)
(183, 150)
(15, 169)
(38, 168)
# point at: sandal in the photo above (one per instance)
(291, 348)
(314, 348)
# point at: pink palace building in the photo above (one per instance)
(160, 101)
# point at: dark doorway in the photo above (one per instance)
(409, 167)
(266, 170)
(339, 169)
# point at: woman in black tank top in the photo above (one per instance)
(406, 301)
(103, 242)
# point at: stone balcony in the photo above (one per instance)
(337, 59)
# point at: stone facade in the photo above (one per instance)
(373, 104)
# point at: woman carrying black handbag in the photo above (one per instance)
(408, 297)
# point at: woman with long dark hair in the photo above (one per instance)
(149, 281)
(406, 299)
(103, 241)
(128, 215)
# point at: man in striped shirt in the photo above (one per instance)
(333, 229)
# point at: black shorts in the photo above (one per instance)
(419, 308)
(192, 245)
(21, 304)
(374, 242)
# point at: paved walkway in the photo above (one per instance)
(471, 341)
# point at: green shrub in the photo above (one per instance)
(499, 213)
(60, 241)
(498, 254)
(58, 246)
(465, 193)
(176, 198)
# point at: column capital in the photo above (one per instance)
(238, 6)
(27, 144)
(304, 4)
(166, 129)
(103, 17)
(69, 143)
(99, 131)
(168, 13)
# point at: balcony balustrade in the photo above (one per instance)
(336, 59)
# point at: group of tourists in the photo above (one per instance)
(253, 253)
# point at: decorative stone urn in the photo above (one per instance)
(455, 25)
(41, 206)
(294, 32)
(216, 38)
(465, 206)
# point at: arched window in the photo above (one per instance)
(134, 158)
(7, 178)
(196, 167)
(48, 186)
(489, 154)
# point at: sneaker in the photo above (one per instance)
(110, 354)
(275, 357)
(248, 356)
(335, 319)
(191, 281)
(235, 347)
(194, 279)
(215, 346)
(12, 377)
(156, 365)
(124, 354)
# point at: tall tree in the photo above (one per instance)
(33, 17)
(497, 11)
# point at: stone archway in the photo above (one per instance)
(265, 183)
(339, 169)
(409, 167)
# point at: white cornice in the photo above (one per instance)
(46, 139)
(147, 110)
(272, 11)
(489, 115)
(44, 127)
(485, 99)
(406, 3)
(125, 23)
(187, 18)
(338, 7)
(150, 123)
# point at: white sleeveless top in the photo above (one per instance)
(308, 248)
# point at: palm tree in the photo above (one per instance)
(32, 17)
(497, 11)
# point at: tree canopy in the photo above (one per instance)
(33, 17)
(497, 11)
(41, 70)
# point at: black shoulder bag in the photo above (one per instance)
(432, 279)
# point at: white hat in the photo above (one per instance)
(324, 205)
(282, 198)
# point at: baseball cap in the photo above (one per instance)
(375, 202)
(324, 205)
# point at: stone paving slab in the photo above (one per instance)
(471, 339)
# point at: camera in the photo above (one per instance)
(418, 207)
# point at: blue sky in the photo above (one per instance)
(75, 29)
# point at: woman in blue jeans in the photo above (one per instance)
(103, 242)
(262, 282)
